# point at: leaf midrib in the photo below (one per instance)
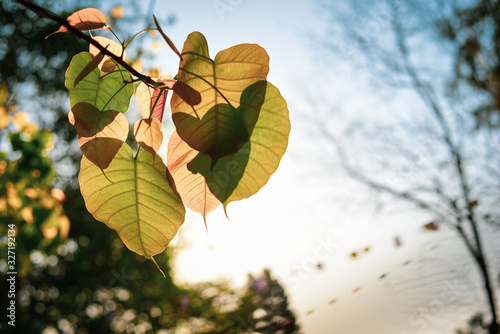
(137, 208)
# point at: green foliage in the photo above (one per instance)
(234, 124)
(27, 200)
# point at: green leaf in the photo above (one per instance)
(244, 173)
(134, 198)
(223, 129)
(89, 67)
(220, 83)
(100, 133)
(106, 92)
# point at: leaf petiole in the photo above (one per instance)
(140, 32)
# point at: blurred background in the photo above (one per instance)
(383, 216)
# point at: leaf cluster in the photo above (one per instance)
(231, 130)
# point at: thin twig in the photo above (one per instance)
(44, 13)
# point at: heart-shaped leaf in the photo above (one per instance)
(192, 188)
(100, 134)
(84, 19)
(148, 134)
(223, 129)
(244, 173)
(107, 64)
(134, 198)
(107, 92)
(217, 126)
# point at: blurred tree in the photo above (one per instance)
(440, 151)
(36, 65)
(476, 30)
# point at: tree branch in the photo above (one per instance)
(44, 13)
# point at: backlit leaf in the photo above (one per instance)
(192, 188)
(4, 117)
(117, 12)
(84, 19)
(100, 134)
(106, 92)
(149, 98)
(432, 226)
(96, 60)
(148, 134)
(166, 38)
(107, 64)
(242, 174)
(134, 198)
(230, 73)
(223, 130)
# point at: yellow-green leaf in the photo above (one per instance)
(192, 188)
(134, 198)
(148, 134)
(93, 64)
(242, 174)
(100, 134)
(220, 83)
(106, 92)
(223, 129)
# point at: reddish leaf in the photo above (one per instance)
(192, 188)
(83, 20)
(432, 226)
(397, 241)
(146, 97)
(167, 39)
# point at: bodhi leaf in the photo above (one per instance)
(192, 188)
(96, 60)
(84, 19)
(151, 101)
(148, 134)
(107, 64)
(244, 173)
(100, 134)
(166, 38)
(134, 198)
(220, 82)
(223, 129)
(107, 92)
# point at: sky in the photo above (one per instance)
(310, 213)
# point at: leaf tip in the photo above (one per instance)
(157, 266)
